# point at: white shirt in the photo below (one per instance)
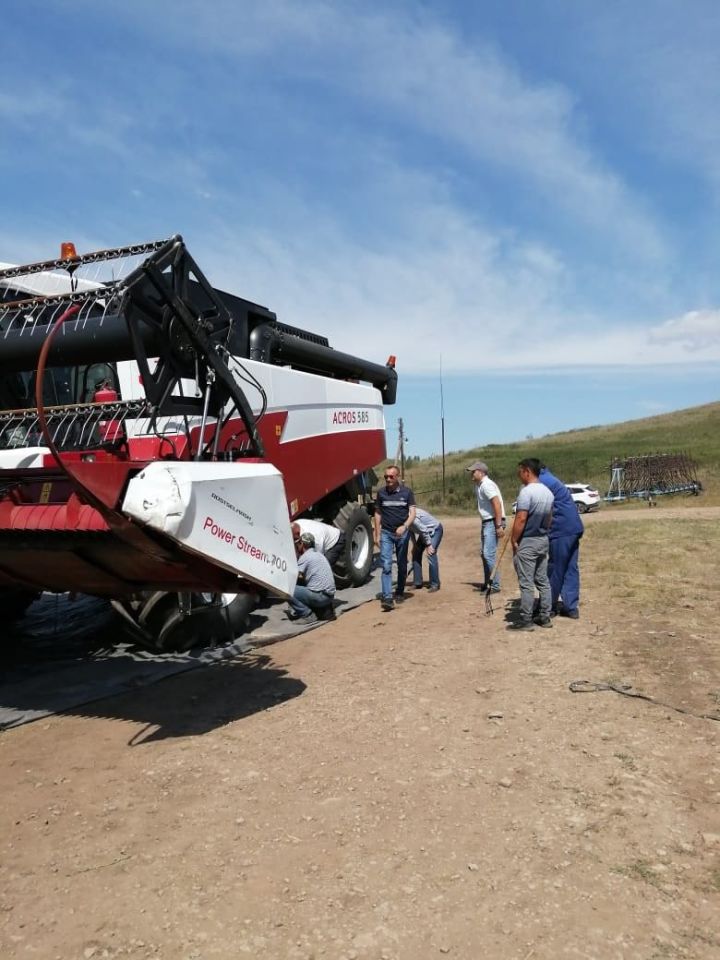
(485, 491)
(325, 535)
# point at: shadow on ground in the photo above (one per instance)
(74, 655)
(193, 703)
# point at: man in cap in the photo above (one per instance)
(492, 516)
(313, 597)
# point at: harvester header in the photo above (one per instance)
(142, 410)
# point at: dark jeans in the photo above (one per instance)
(336, 551)
(433, 565)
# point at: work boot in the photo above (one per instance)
(543, 621)
(398, 597)
(520, 625)
(310, 618)
(571, 614)
(387, 604)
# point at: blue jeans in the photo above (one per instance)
(305, 601)
(433, 565)
(392, 543)
(489, 552)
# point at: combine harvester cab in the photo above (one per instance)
(158, 435)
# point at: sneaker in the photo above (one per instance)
(434, 587)
(291, 615)
(520, 625)
(386, 604)
(310, 618)
(543, 622)
(398, 597)
(571, 614)
(414, 586)
(494, 589)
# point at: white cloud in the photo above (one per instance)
(697, 330)
(407, 65)
(482, 300)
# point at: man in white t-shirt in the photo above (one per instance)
(492, 516)
(329, 540)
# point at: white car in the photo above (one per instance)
(586, 497)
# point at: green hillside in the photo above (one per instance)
(580, 455)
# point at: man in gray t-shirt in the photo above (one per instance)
(529, 539)
(314, 594)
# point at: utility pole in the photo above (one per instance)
(400, 455)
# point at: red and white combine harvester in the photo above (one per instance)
(158, 435)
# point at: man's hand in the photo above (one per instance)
(431, 551)
(500, 531)
(402, 529)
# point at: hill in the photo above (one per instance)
(579, 455)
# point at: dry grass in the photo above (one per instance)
(667, 562)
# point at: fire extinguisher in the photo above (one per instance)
(110, 430)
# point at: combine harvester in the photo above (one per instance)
(157, 436)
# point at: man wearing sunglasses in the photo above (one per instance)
(394, 515)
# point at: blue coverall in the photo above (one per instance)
(565, 533)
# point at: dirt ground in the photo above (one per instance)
(405, 785)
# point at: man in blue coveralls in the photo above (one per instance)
(565, 533)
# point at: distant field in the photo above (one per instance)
(580, 455)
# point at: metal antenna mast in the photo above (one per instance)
(442, 428)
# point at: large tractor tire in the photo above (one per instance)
(166, 631)
(352, 568)
(14, 603)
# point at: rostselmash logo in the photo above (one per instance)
(231, 506)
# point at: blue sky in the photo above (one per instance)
(529, 190)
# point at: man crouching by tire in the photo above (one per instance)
(313, 597)
(329, 539)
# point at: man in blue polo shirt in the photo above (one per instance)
(394, 515)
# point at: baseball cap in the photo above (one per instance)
(307, 539)
(478, 465)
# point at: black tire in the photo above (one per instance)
(582, 508)
(352, 568)
(14, 603)
(170, 633)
